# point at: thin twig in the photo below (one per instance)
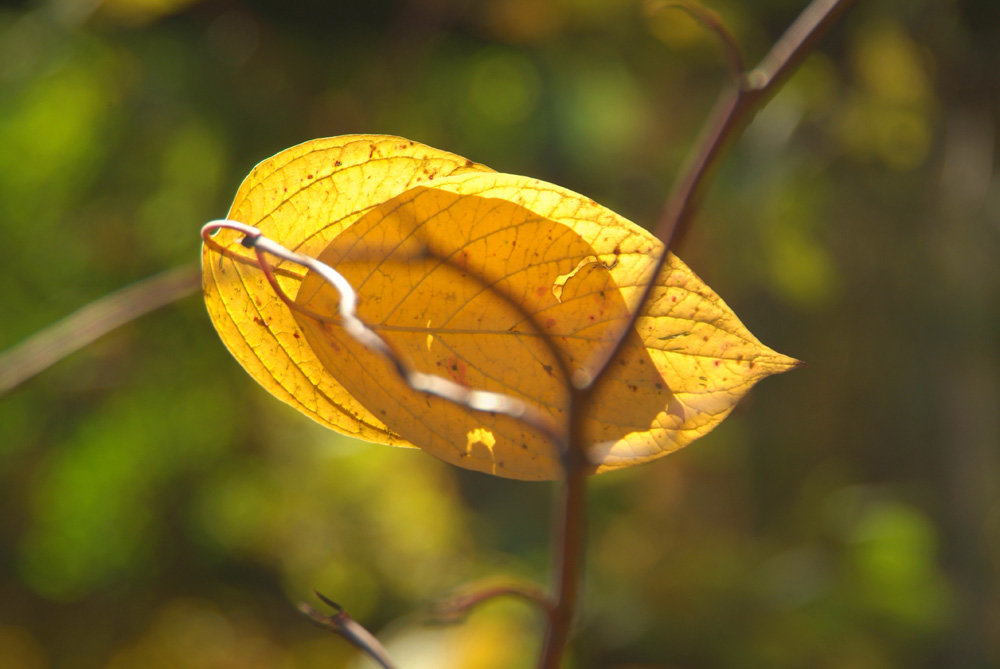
(732, 110)
(456, 608)
(243, 259)
(343, 624)
(797, 42)
(59, 340)
(710, 20)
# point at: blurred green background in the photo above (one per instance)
(158, 509)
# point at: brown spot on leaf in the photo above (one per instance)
(457, 369)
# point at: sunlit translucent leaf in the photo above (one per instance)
(304, 197)
(465, 273)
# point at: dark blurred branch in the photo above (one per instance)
(47, 347)
(343, 624)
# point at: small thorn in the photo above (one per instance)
(329, 602)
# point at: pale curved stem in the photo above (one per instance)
(357, 329)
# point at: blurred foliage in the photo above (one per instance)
(157, 509)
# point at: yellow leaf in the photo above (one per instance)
(304, 197)
(467, 274)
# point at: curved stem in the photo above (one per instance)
(458, 607)
(710, 20)
(352, 325)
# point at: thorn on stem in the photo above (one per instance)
(329, 602)
(343, 625)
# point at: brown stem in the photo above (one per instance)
(710, 20)
(569, 554)
(734, 107)
(455, 608)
